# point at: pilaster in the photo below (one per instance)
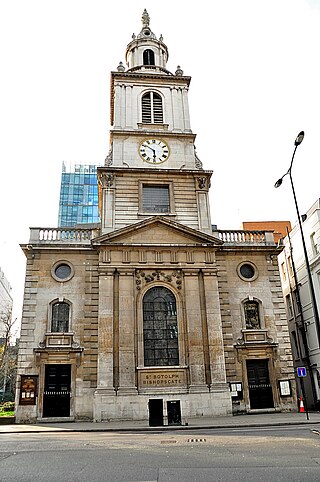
(127, 359)
(185, 105)
(106, 332)
(214, 327)
(195, 334)
(117, 105)
(128, 106)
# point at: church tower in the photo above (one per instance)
(158, 283)
(152, 167)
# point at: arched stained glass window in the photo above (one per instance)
(251, 313)
(160, 329)
(60, 317)
(148, 57)
(152, 110)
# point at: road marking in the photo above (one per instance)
(192, 440)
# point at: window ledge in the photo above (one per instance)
(57, 340)
(153, 127)
(254, 336)
(162, 367)
(156, 214)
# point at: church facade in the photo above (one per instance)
(154, 315)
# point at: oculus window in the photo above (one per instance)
(62, 271)
(160, 329)
(247, 271)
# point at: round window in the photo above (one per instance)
(62, 271)
(247, 271)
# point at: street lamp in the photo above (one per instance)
(297, 142)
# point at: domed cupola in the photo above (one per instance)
(145, 52)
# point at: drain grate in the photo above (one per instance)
(168, 441)
(194, 440)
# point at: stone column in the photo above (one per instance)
(127, 360)
(194, 328)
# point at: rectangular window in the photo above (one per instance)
(296, 352)
(314, 245)
(290, 266)
(296, 300)
(283, 272)
(289, 306)
(155, 199)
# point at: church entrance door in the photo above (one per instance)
(155, 412)
(260, 389)
(56, 397)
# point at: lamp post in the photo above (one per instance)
(297, 142)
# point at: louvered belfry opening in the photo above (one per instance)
(152, 111)
(157, 109)
(156, 199)
(148, 57)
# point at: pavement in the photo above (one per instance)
(236, 421)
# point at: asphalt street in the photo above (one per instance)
(243, 454)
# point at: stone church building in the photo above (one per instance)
(154, 314)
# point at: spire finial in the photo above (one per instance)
(145, 18)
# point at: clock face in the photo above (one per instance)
(154, 151)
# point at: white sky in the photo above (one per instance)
(255, 84)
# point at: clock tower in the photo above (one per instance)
(152, 167)
(156, 248)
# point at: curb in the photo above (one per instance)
(156, 429)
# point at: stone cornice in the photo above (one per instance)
(147, 133)
(139, 170)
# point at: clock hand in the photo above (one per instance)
(154, 152)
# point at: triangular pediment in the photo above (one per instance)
(158, 231)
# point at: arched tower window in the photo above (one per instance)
(148, 57)
(251, 314)
(60, 312)
(160, 329)
(152, 110)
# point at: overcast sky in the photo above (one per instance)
(255, 84)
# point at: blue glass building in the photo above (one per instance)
(78, 195)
